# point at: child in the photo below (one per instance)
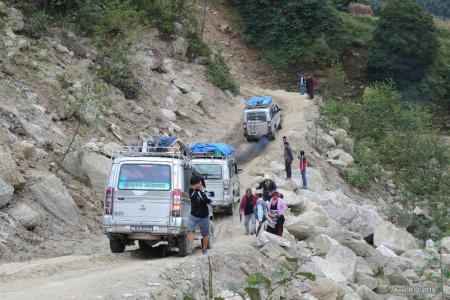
(261, 209)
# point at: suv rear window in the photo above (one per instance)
(152, 177)
(256, 116)
(210, 171)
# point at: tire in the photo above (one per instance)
(117, 245)
(281, 124)
(249, 139)
(182, 245)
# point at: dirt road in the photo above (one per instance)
(132, 275)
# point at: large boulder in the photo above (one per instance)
(276, 167)
(26, 216)
(360, 247)
(352, 296)
(416, 258)
(168, 114)
(92, 168)
(395, 275)
(344, 259)
(14, 19)
(363, 267)
(180, 48)
(8, 170)
(394, 238)
(321, 267)
(367, 294)
(334, 154)
(300, 230)
(109, 148)
(325, 142)
(445, 245)
(323, 243)
(6, 192)
(51, 193)
(386, 251)
(339, 135)
(347, 158)
(364, 279)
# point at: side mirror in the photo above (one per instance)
(240, 171)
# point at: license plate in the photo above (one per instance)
(141, 228)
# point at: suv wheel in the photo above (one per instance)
(117, 245)
(229, 210)
(182, 245)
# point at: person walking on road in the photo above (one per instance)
(302, 83)
(247, 207)
(199, 214)
(303, 165)
(261, 210)
(277, 207)
(267, 186)
(288, 158)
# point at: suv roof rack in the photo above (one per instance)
(149, 149)
(210, 154)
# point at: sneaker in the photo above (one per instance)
(204, 251)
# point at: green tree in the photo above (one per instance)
(405, 44)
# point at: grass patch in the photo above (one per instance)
(219, 74)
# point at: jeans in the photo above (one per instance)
(250, 223)
(303, 172)
(302, 89)
(287, 167)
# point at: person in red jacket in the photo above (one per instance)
(303, 165)
(248, 205)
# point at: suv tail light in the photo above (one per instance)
(109, 201)
(226, 187)
(176, 203)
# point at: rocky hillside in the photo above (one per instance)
(60, 122)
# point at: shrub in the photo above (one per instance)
(197, 47)
(37, 25)
(405, 44)
(219, 74)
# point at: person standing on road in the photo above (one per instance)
(313, 85)
(199, 214)
(288, 158)
(261, 210)
(309, 88)
(277, 206)
(302, 83)
(303, 165)
(267, 186)
(248, 206)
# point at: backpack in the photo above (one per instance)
(249, 206)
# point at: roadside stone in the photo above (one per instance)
(395, 276)
(6, 193)
(138, 110)
(386, 251)
(109, 148)
(26, 216)
(334, 154)
(344, 259)
(195, 97)
(14, 19)
(182, 86)
(323, 243)
(352, 296)
(91, 168)
(363, 267)
(347, 158)
(300, 230)
(324, 289)
(367, 294)
(79, 200)
(361, 248)
(416, 258)
(320, 267)
(180, 48)
(9, 172)
(61, 49)
(325, 142)
(51, 193)
(445, 245)
(364, 279)
(339, 135)
(394, 238)
(337, 163)
(170, 115)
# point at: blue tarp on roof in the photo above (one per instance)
(223, 148)
(259, 101)
(165, 141)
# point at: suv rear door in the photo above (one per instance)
(256, 122)
(213, 174)
(143, 193)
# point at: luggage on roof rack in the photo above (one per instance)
(257, 102)
(210, 150)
